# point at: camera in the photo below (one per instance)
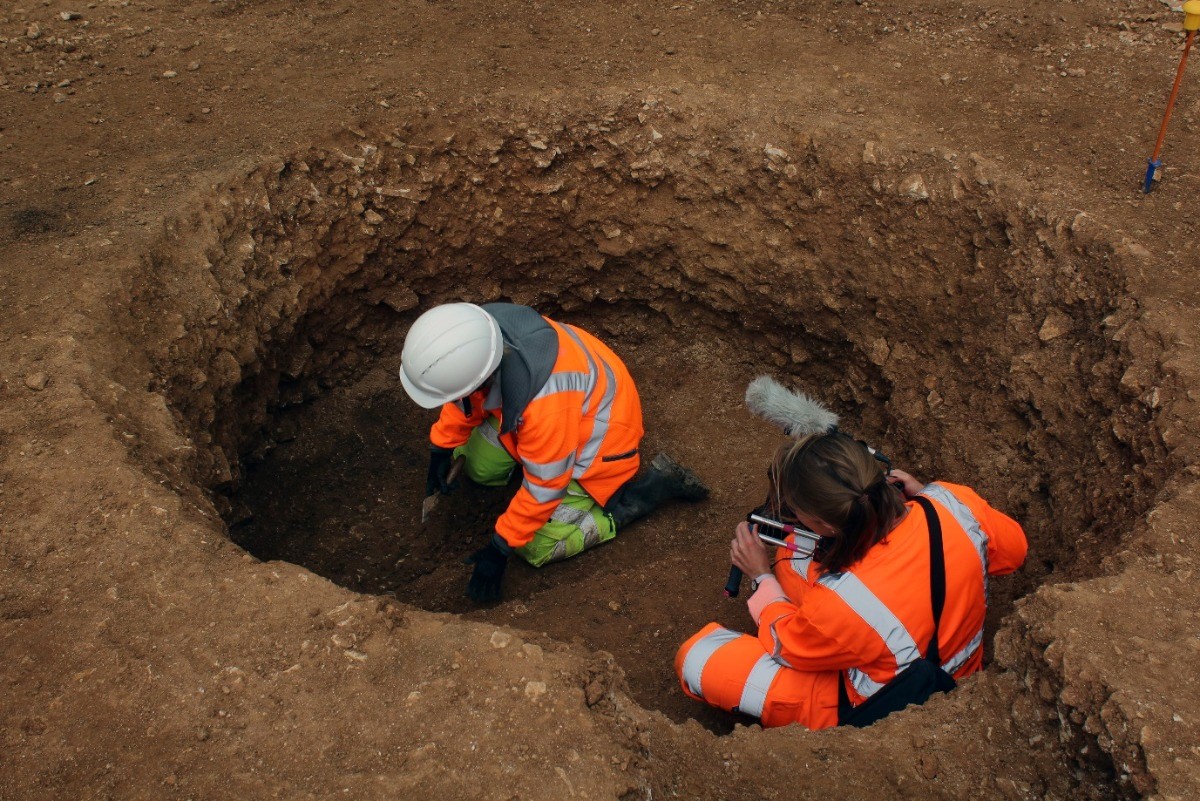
(805, 544)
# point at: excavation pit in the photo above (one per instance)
(972, 337)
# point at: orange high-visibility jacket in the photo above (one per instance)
(874, 619)
(585, 423)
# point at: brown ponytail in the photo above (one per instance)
(834, 478)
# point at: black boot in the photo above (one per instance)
(665, 480)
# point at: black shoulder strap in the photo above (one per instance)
(937, 573)
(937, 589)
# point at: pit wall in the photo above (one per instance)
(908, 285)
(902, 287)
(1109, 659)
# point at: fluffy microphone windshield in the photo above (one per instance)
(796, 413)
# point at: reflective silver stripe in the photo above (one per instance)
(754, 694)
(591, 531)
(591, 537)
(543, 494)
(801, 565)
(881, 619)
(699, 654)
(970, 524)
(963, 516)
(489, 433)
(582, 520)
(558, 552)
(863, 684)
(866, 686)
(588, 453)
(548, 470)
(777, 651)
(955, 662)
(602, 413)
(966, 519)
(565, 514)
(875, 614)
(564, 382)
(591, 373)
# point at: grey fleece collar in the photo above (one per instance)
(530, 351)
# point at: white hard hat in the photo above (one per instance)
(449, 351)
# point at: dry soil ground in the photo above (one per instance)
(218, 218)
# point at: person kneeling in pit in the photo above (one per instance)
(835, 629)
(518, 389)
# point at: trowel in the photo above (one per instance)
(431, 501)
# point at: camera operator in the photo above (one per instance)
(838, 627)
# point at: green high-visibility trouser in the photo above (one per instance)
(577, 523)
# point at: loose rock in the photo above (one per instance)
(880, 350)
(37, 381)
(1055, 325)
(914, 186)
(1139, 252)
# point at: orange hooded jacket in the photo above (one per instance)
(584, 423)
(873, 619)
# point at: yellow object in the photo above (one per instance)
(1191, 15)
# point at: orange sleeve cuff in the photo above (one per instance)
(514, 536)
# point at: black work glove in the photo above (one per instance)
(440, 460)
(489, 561)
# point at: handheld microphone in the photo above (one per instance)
(734, 584)
(798, 415)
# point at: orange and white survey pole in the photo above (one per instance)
(1191, 23)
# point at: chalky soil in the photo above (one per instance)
(971, 336)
